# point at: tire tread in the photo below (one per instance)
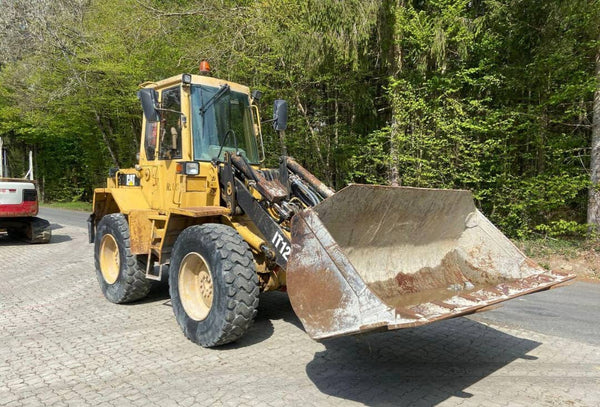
(237, 266)
(132, 279)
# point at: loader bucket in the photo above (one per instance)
(381, 258)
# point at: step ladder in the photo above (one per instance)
(157, 234)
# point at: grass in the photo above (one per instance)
(547, 247)
(74, 206)
(569, 248)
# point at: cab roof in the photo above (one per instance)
(196, 80)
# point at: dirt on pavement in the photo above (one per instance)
(581, 259)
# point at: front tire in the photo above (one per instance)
(213, 284)
(121, 275)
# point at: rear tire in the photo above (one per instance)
(213, 284)
(121, 275)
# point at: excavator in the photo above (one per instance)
(367, 258)
(19, 205)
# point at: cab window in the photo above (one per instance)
(170, 124)
(150, 140)
(222, 122)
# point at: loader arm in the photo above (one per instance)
(235, 178)
(278, 196)
(279, 245)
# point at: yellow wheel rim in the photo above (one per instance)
(110, 261)
(195, 286)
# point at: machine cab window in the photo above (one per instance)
(222, 122)
(150, 139)
(170, 124)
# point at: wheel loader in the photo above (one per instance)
(201, 205)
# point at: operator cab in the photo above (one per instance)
(215, 116)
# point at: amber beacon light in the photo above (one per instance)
(204, 67)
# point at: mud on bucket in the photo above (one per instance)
(375, 257)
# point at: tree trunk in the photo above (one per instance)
(593, 215)
(394, 172)
(106, 139)
(394, 68)
(315, 140)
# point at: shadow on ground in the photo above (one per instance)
(60, 238)
(409, 367)
(6, 240)
(159, 290)
(272, 306)
(419, 366)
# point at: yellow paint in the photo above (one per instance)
(166, 202)
(110, 262)
(195, 286)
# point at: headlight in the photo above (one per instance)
(188, 168)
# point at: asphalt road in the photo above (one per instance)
(62, 217)
(569, 312)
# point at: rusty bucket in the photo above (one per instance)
(381, 258)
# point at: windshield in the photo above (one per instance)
(224, 121)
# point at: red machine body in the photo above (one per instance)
(18, 210)
(18, 198)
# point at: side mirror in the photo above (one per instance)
(256, 95)
(280, 115)
(149, 99)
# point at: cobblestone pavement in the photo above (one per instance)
(62, 343)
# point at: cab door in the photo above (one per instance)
(169, 145)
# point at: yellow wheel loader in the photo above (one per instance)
(366, 258)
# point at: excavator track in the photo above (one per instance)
(39, 231)
(29, 229)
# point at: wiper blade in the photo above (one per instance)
(224, 89)
(230, 131)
